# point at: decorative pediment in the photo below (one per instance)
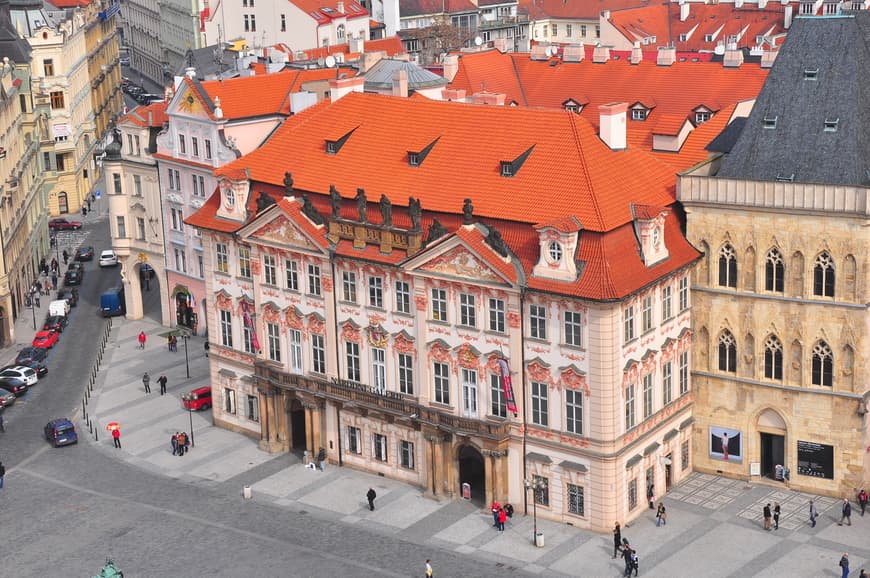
(223, 300)
(293, 317)
(468, 356)
(460, 262)
(316, 323)
(190, 105)
(403, 342)
(282, 231)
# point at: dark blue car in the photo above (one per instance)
(30, 354)
(61, 432)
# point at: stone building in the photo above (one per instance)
(780, 314)
(374, 284)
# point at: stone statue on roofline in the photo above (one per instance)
(386, 211)
(494, 240)
(436, 231)
(264, 201)
(361, 205)
(288, 184)
(415, 212)
(467, 212)
(335, 201)
(311, 211)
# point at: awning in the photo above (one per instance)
(651, 448)
(687, 422)
(633, 461)
(535, 457)
(671, 435)
(566, 465)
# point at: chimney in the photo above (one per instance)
(767, 58)
(369, 59)
(636, 54)
(762, 4)
(611, 128)
(340, 87)
(600, 54)
(484, 97)
(789, 15)
(684, 10)
(356, 44)
(400, 83)
(340, 7)
(451, 66)
(666, 56)
(454, 94)
(733, 58)
(738, 4)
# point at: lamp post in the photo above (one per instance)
(190, 416)
(536, 485)
(33, 308)
(185, 337)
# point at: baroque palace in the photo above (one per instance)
(477, 295)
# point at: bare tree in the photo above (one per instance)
(442, 36)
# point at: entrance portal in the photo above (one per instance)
(297, 426)
(772, 453)
(473, 472)
(667, 461)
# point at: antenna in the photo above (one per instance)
(330, 61)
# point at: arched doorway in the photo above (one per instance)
(147, 289)
(184, 308)
(772, 431)
(472, 471)
(62, 203)
(298, 437)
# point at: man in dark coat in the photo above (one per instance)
(847, 513)
(370, 496)
(767, 517)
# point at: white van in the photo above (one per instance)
(59, 307)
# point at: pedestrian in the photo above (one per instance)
(813, 514)
(844, 564)
(635, 562)
(206, 347)
(54, 280)
(89, 203)
(65, 257)
(776, 511)
(2, 473)
(174, 443)
(862, 500)
(162, 381)
(370, 496)
(46, 286)
(182, 443)
(651, 496)
(767, 516)
(502, 518)
(661, 515)
(2, 424)
(626, 556)
(116, 437)
(509, 510)
(428, 572)
(185, 442)
(54, 265)
(36, 299)
(173, 344)
(617, 539)
(321, 459)
(146, 381)
(142, 339)
(847, 513)
(862, 574)
(494, 508)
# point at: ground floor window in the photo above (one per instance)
(542, 490)
(406, 454)
(353, 440)
(230, 401)
(575, 500)
(632, 494)
(684, 455)
(380, 447)
(253, 408)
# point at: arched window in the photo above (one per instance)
(62, 203)
(727, 352)
(823, 276)
(774, 271)
(823, 364)
(727, 266)
(773, 358)
(339, 32)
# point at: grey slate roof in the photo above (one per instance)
(838, 48)
(11, 45)
(381, 75)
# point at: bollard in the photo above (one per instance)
(84, 405)
(96, 433)
(246, 492)
(90, 427)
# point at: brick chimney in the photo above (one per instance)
(600, 54)
(767, 58)
(789, 16)
(762, 4)
(454, 94)
(666, 56)
(340, 87)
(400, 83)
(612, 124)
(340, 7)
(733, 58)
(495, 98)
(451, 66)
(684, 10)
(369, 59)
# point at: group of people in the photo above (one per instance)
(179, 443)
(774, 514)
(622, 547)
(500, 514)
(172, 343)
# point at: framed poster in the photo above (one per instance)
(815, 460)
(726, 444)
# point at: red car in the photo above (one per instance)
(198, 399)
(64, 224)
(45, 339)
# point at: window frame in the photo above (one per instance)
(406, 454)
(348, 286)
(353, 369)
(441, 382)
(467, 310)
(222, 258)
(270, 270)
(403, 297)
(291, 275)
(273, 339)
(376, 291)
(540, 402)
(244, 255)
(573, 328)
(496, 314)
(318, 353)
(438, 311)
(574, 411)
(315, 287)
(405, 365)
(537, 321)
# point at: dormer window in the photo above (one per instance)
(511, 168)
(770, 122)
(708, 38)
(572, 105)
(811, 74)
(414, 159)
(638, 114)
(507, 169)
(333, 146)
(684, 37)
(555, 251)
(230, 197)
(702, 116)
(831, 125)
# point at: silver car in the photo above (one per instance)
(7, 398)
(21, 372)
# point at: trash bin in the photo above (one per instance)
(246, 492)
(539, 539)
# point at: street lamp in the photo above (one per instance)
(185, 337)
(33, 308)
(536, 484)
(189, 399)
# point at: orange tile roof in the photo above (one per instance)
(392, 46)
(153, 115)
(573, 10)
(237, 95)
(326, 10)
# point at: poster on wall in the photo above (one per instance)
(815, 460)
(726, 444)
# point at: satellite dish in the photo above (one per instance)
(552, 50)
(478, 40)
(330, 61)
(719, 50)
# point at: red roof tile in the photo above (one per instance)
(153, 115)
(392, 46)
(420, 7)
(573, 10)
(326, 10)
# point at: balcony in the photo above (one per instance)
(388, 402)
(503, 22)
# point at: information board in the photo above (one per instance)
(815, 460)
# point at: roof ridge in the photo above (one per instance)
(519, 83)
(573, 118)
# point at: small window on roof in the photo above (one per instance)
(811, 74)
(684, 37)
(331, 147)
(413, 159)
(831, 125)
(638, 114)
(708, 38)
(770, 122)
(507, 169)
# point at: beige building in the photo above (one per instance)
(780, 314)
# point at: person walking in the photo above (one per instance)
(661, 515)
(65, 256)
(626, 556)
(142, 339)
(2, 473)
(635, 562)
(54, 280)
(844, 564)
(174, 443)
(862, 500)
(162, 381)
(617, 539)
(494, 508)
(182, 443)
(116, 437)
(847, 513)
(767, 516)
(321, 459)
(502, 518)
(776, 511)
(370, 496)
(186, 441)
(813, 514)
(428, 573)
(146, 381)
(173, 344)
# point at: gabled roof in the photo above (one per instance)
(153, 115)
(251, 96)
(409, 8)
(573, 10)
(392, 46)
(325, 10)
(822, 74)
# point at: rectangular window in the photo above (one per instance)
(574, 411)
(496, 315)
(253, 23)
(684, 373)
(647, 395)
(60, 159)
(177, 219)
(353, 369)
(199, 263)
(116, 183)
(291, 269)
(379, 369)
(496, 395)
(628, 323)
(48, 67)
(180, 259)
(647, 313)
(542, 490)
(667, 383)
(57, 99)
(196, 192)
(248, 338)
(684, 293)
(583, 30)
(221, 258)
(182, 144)
(469, 392)
(230, 401)
(314, 279)
(575, 500)
(273, 332)
(406, 454)
(537, 321)
(666, 302)
(253, 408)
(283, 23)
(195, 142)
(201, 185)
(684, 455)
(122, 227)
(376, 292)
(573, 328)
(403, 297)
(406, 374)
(439, 305)
(207, 149)
(540, 413)
(137, 185)
(140, 228)
(568, 30)
(441, 373)
(467, 311)
(138, 145)
(226, 328)
(353, 440)
(555, 30)
(270, 271)
(629, 407)
(295, 337)
(632, 494)
(379, 447)
(244, 262)
(348, 286)
(318, 353)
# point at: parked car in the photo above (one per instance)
(64, 224)
(56, 322)
(46, 339)
(61, 432)
(37, 366)
(71, 296)
(108, 258)
(198, 399)
(7, 398)
(134, 89)
(74, 277)
(124, 61)
(30, 354)
(84, 254)
(13, 384)
(27, 374)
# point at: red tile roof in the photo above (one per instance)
(421, 7)
(326, 10)
(573, 10)
(392, 46)
(153, 115)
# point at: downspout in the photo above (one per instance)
(337, 355)
(523, 375)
